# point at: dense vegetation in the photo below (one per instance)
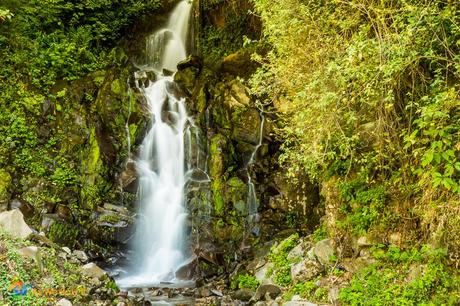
(365, 99)
(367, 95)
(45, 46)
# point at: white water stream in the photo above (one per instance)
(159, 243)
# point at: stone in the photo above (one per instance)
(324, 250)
(80, 255)
(92, 270)
(299, 250)
(261, 273)
(247, 127)
(239, 64)
(353, 265)
(13, 223)
(67, 250)
(64, 212)
(186, 78)
(243, 294)
(188, 269)
(305, 270)
(128, 178)
(63, 302)
(299, 302)
(264, 290)
(190, 61)
(216, 292)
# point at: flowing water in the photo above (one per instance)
(252, 203)
(159, 246)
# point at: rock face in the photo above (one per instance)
(305, 270)
(324, 250)
(267, 290)
(13, 223)
(92, 270)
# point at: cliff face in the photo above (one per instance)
(69, 142)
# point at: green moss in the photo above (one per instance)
(216, 189)
(117, 87)
(63, 233)
(282, 265)
(392, 280)
(5, 185)
(244, 281)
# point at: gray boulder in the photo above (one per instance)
(13, 223)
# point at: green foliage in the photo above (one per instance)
(304, 290)
(367, 88)
(244, 281)
(394, 280)
(50, 52)
(235, 28)
(363, 205)
(320, 233)
(282, 265)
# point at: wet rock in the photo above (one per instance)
(63, 302)
(13, 223)
(26, 209)
(243, 294)
(186, 78)
(305, 270)
(247, 128)
(187, 270)
(190, 61)
(324, 250)
(92, 270)
(270, 290)
(299, 250)
(128, 179)
(167, 72)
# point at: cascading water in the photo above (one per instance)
(159, 243)
(252, 199)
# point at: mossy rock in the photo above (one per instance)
(186, 78)
(235, 194)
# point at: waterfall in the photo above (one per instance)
(159, 243)
(252, 198)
